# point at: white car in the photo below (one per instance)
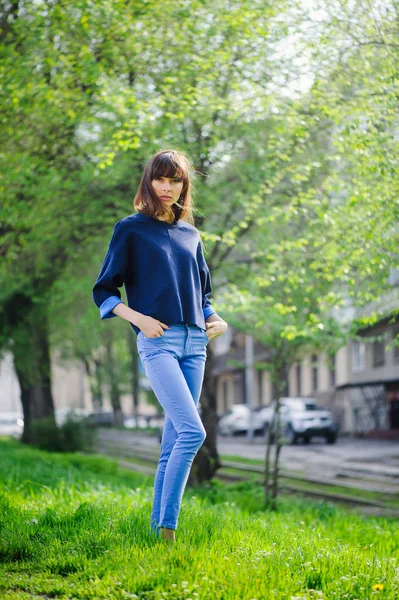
(301, 418)
(11, 423)
(77, 413)
(237, 420)
(131, 423)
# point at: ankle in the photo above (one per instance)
(167, 533)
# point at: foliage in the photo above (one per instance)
(73, 435)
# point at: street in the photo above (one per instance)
(377, 458)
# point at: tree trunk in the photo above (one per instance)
(33, 368)
(277, 454)
(279, 373)
(94, 371)
(207, 461)
(135, 374)
(268, 459)
(114, 385)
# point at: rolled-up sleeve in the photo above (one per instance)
(112, 276)
(206, 283)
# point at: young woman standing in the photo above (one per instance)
(157, 254)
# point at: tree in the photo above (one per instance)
(77, 98)
(333, 242)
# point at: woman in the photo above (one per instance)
(157, 254)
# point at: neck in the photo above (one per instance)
(166, 218)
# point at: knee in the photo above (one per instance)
(199, 435)
(196, 436)
(202, 436)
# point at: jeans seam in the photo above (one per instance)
(159, 379)
(148, 354)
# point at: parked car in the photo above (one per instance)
(141, 422)
(11, 423)
(62, 414)
(157, 421)
(237, 420)
(101, 418)
(301, 418)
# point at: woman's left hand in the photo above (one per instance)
(215, 329)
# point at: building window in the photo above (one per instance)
(378, 353)
(239, 390)
(358, 353)
(299, 379)
(396, 348)
(332, 372)
(315, 372)
(285, 392)
(225, 395)
(260, 394)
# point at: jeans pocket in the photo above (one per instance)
(200, 340)
(144, 339)
(206, 336)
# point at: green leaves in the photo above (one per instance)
(297, 193)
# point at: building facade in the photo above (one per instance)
(360, 386)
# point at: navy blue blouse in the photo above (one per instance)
(162, 267)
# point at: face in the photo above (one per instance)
(168, 189)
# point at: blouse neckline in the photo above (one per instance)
(164, 223)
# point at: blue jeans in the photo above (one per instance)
(174, 364)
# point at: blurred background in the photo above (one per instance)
(289, 113)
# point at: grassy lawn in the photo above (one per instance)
(243, 460)
(76, 526)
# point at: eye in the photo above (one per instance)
(175, 179)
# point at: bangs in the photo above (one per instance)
(166, 165)
(173, 164)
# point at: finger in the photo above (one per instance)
(163, 325)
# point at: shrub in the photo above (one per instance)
(75, 434)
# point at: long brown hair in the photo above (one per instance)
(166, 163)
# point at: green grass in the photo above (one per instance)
(135, 460)
(243, 460)
(76, 526)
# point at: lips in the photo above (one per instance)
(166, 197)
